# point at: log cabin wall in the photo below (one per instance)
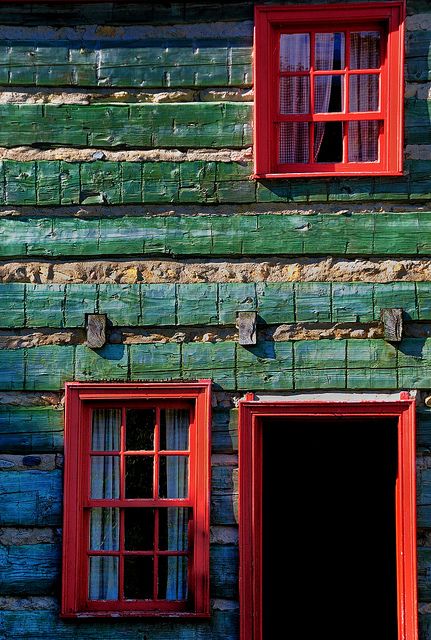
(125, 189)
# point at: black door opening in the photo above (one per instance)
(329, 536)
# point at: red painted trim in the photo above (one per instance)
(250, 502)
(270, 20)
(81, 398)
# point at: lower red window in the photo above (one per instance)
(136, 500)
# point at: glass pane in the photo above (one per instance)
(173, 529)
(294, 142)
(139, 476)
(105, 529)
(138, 577)
(364, 92)
(103, 578)
(365, 50)
(329, 50)
(106, 430)
(173, 477)
(140, 429)
(295, 94)
(174, 429)
(328, 142)
(105, 477)
(363, 141)
(172, 578)
(139, 529)
(328, 94)
(295, 52)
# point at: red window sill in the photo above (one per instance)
(326, 174)
(81, 615)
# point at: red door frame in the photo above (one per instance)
(251, 422)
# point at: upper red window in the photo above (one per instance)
(329, 89)
(136, 500)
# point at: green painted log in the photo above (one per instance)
(31, 498)
(108, 363)
(268, 365)
(423, 431)
(263, 235)
(30, 429)
(51, 182)
(155, 361)
(142, 64)
(210, 360)
(121, 303)
(30, 569)
(212, 124)
(11, 370)
(44, 305)
(27, 625)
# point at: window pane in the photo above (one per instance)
(172, 578)
(139, 529)
(328, 142)
(139, 476)
(329, 51)
(364, 92)
(295, 52)
(173, 477)
(174, 429)
(363, 141)
(295, 94)
(365, 50)
(103, 578)
(173, 529)
(106, 430)
(328, 94)
(105, 477)
(138, 577)
(104, 529)
(140, 429)
(294, 142)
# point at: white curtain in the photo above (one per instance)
(325, 48)
(364, 93)
(104, 522)
(177, 435)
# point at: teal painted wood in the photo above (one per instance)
(30, 569)
(30, 429)
(12, 305)
(31, 498)
(382, 234)
(206, 304)
(337, 364)
(27, 625)
(212, 124)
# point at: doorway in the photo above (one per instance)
(328, 527)
(327, 520)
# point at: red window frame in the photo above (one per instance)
(270, 22)
(251, 415)
(81, 398)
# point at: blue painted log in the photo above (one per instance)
(29, 569)
(31, 498)
(34, 625)
(224, 565)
